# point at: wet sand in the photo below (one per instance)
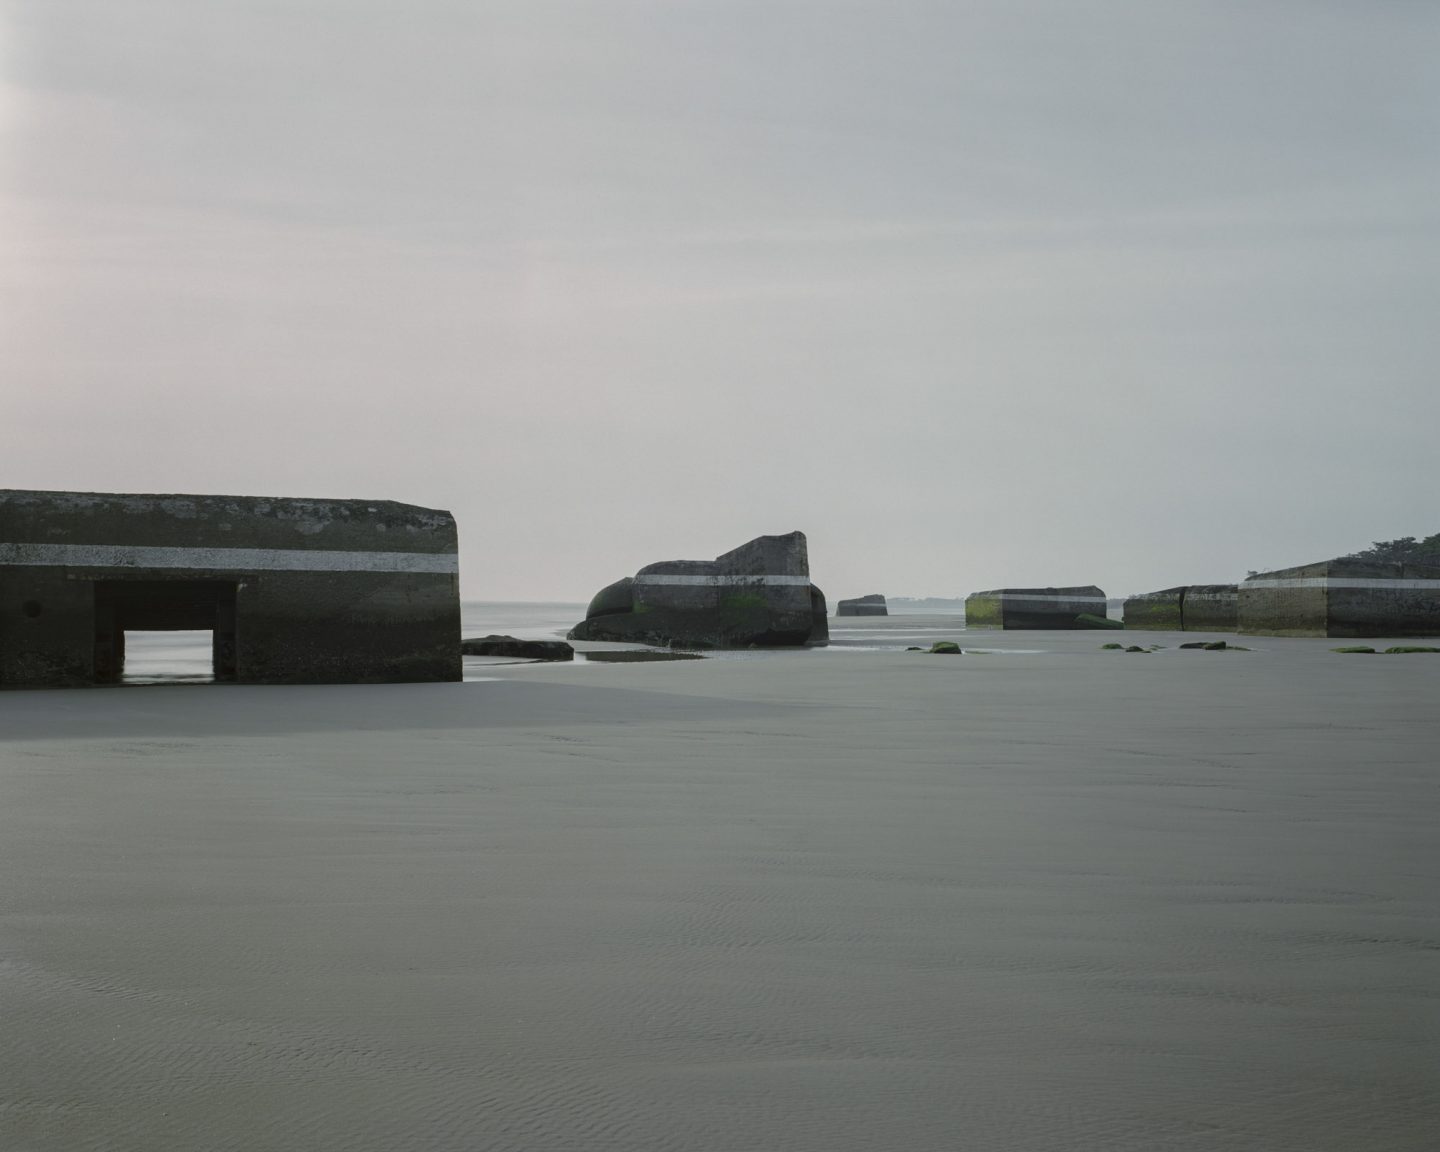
(1065, 899)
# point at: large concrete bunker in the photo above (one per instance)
(1343, 598)
(1039, 608)
(757, 595)
(293, 591)
(871, 605)
(1188, 608)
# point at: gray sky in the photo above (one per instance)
(975, 293)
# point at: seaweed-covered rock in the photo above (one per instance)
(523, 649)
(945, 648)
(756, 596)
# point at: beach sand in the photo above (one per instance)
(1049, 898)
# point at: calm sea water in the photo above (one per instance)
(184, 657)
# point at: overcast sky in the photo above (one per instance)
(974, 292)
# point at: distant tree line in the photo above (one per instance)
(1406, 550)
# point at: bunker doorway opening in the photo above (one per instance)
(185, 609)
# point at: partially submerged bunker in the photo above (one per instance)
(872, 605)
(293, 591)
(1034, 608)
(757, 595)
(1188, 608)
(1343, 598)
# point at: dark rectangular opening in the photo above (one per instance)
(123, 606)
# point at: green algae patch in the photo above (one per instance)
(945, 648)
(1404, 648)
(1089, 620)
(1112, 647)
(1360, 650)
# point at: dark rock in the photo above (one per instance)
(1194, 644)
(1113, 647)
(639, 657)
(1216, 646)
(1137, 648)
(872, 605)
(756, 596)
(945, 648)
(522, 649)
(819, 619)
(1359, 650)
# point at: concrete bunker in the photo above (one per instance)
(1188, 608)
(758, 595)
(872, 605)
(291, 591)
(1343, 598)
(1034, 608)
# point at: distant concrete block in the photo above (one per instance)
(1342, 598)
(1033, 608)
(872, 605)
(1210, 608)
(757, 595)
(1158, 611)
(1189, 608)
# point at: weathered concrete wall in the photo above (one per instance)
(872, 605)
(1210, 608)
(317, 591)
(1343, 598)
(756, 595)
(1033, 608)
(1157, 611)
(1189, 608)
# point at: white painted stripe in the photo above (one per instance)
(224, 559)
(1020, 598)
(1377, 584)
(702, 580)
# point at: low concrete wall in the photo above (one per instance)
(304, 591)
(1210, 608)
(872, 605)
(1342, 598)
(757, 595)
(1189, 608)
(1157, 611)
(1034, 608)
